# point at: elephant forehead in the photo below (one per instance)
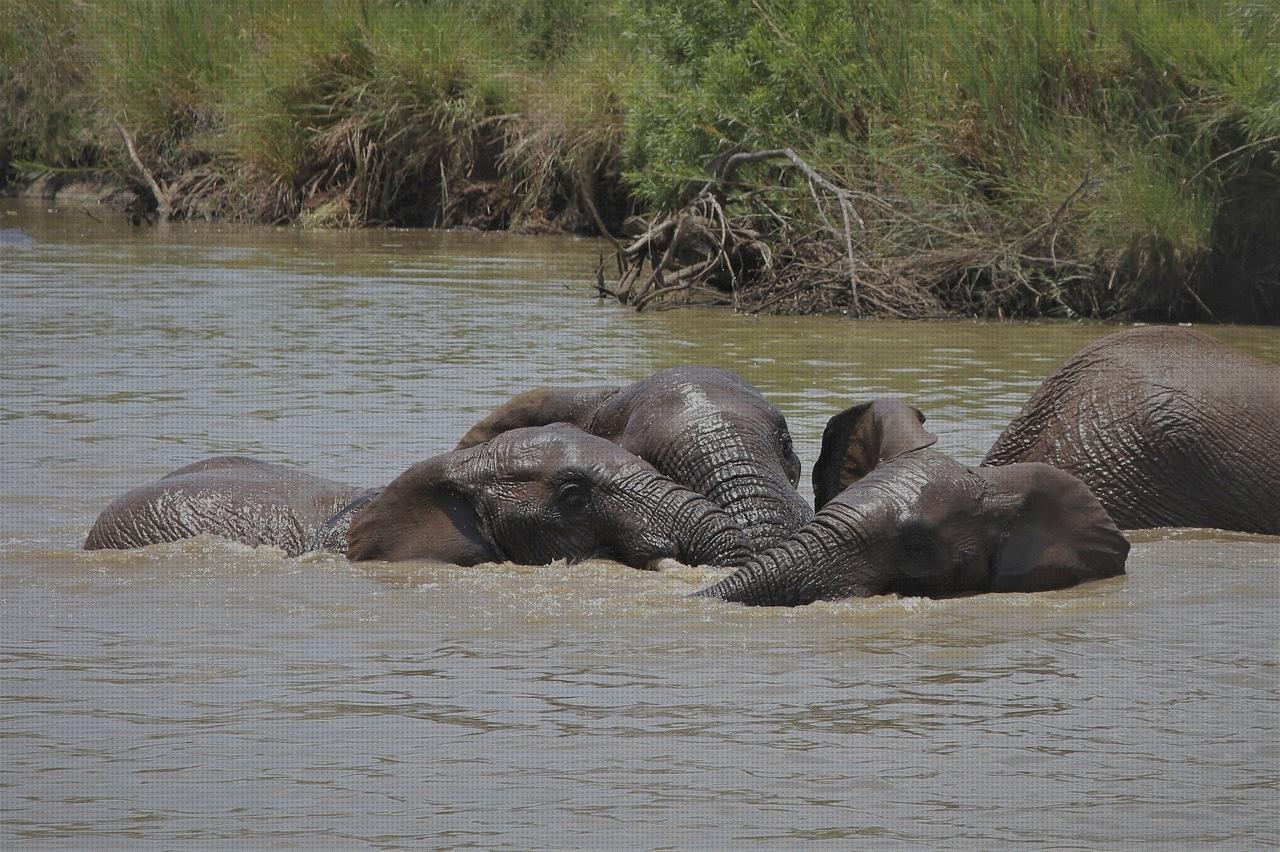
(735, 399)
(946, 502)
(720, 385)
(920, 484)
(690, 409)
(541, 450)
(688, 388)
(690, 413)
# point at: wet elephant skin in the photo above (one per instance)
(896, 516)
(707, 429)
(1168, 426)
(530, 495)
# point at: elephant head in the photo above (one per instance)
(910, 520)
(707, 429)
(534, 495)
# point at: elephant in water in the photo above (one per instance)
(897, 516)
(242, 499)
(530, 496)
(1168, 426)
(705, 428)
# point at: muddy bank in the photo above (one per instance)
(67, 189)
(483, 204)
(1002, 158)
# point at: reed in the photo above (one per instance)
(1069, 157)
(1006, 157)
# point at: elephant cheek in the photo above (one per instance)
(634, 544)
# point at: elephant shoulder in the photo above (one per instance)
(540, 406)
(225, 464)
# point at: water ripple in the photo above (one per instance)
(208, 693)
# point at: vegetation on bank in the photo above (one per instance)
(993, 157)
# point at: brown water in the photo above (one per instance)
(213, 694)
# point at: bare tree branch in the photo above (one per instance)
(163, 202)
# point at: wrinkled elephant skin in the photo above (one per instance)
(530, 496)
(1169, 427)
(243, 499)
(898, 517)
(705, 428)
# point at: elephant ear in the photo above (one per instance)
(540, 407)
(1054, 532)
(424, 513)
(859, 439)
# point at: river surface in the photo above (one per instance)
(206, 693)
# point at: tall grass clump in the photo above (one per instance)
(160, 65)
(1020, 156)
(331, 112)
(45, 113)
(565, 148)
(991, 157)
(361, 118)
(159, 69)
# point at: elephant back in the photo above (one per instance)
(241, 499)
(1167, 426)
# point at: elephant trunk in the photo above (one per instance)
(713, 537)
(814, 563)
(740, 474)
(767, 508)
(681, 524)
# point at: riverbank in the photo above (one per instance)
(996, 159)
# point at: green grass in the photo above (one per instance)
(351, 118)
(45, 113)
(1070, 157)
(1093, 152)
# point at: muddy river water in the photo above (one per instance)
(211, 694)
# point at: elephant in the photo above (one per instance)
(1168, 426)
(530, 496)
(896, 516)
(235, 497)
(705, 428)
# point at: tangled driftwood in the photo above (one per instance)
(883, 255)
(694, 256)
(700, 255)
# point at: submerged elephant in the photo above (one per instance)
(242, 499)
(529, 496)
(1167, 426)
(896, 516)
(705, 428)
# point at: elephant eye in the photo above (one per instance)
(915, 544)
(572, 495)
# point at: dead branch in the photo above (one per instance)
(720, 252)
(1057, 214)
(164, 207)
(588, 198)
(914, 257)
